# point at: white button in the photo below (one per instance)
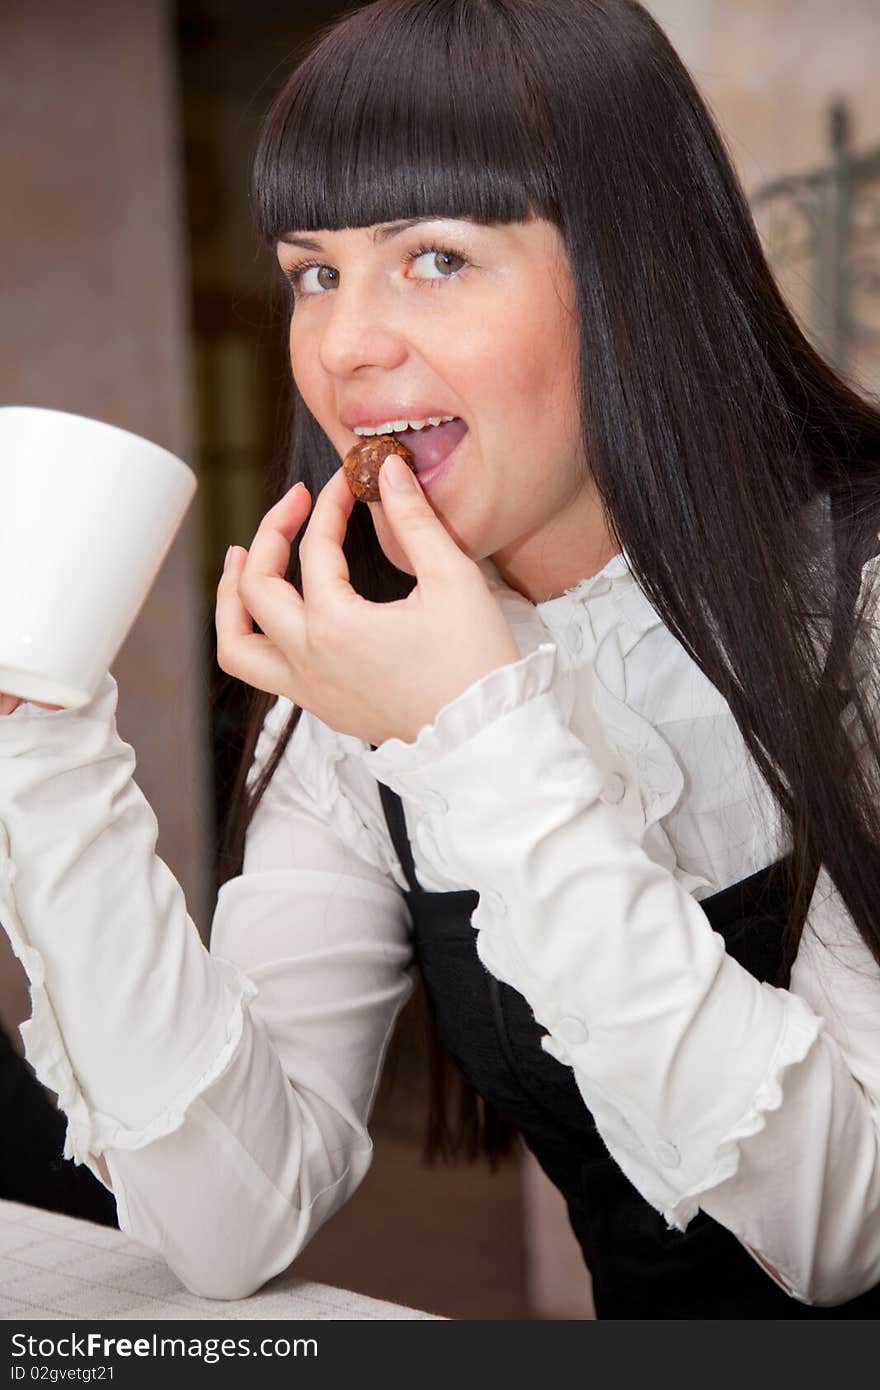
(614, 789)
(572, 1030)
(436, 803)
(667, 1154)
(574, 640)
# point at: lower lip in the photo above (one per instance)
(432, 476)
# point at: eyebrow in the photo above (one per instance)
(379, 235)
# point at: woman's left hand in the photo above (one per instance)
(374, 670)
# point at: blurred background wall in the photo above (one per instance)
(133, 289)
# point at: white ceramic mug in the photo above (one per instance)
(88, 513)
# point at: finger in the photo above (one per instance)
(268, 597)
(241, 652)
(325, 570)
(269, 553)
(231, 619)
(427, 544)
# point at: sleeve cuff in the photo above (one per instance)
(673, 1177)
(489, 699)
(18, 726)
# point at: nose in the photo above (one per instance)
(358, 331)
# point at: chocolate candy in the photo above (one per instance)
(362, 463)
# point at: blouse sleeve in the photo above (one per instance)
(229, 1092)
(710, 1089)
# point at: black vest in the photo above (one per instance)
(639, 1268)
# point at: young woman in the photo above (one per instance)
(577, 729)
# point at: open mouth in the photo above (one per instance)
(433, 444)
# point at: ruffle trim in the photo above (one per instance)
(91, 1132)
(657, 771)
(800, 1030)
(490, 698)
(661, 781)
(313, 754)
(655, 766)
(311, 757)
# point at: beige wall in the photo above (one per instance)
(769, 69)
(93, 296)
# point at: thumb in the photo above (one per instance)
(428, 545)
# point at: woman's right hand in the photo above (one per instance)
(10, 703)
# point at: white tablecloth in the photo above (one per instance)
(56, 1267)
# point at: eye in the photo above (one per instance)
(442, 255)
(295, 274)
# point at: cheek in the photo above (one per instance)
(299, 363)
(306, 368)
(314, 388)
(530, 368)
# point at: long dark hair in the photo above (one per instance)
(738, 470)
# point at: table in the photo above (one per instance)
(57, 1267)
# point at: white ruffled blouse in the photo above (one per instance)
(592, 793)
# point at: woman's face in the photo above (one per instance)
(481, 326)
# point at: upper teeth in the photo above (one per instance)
(395, 426)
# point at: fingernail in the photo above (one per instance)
(226, 561)
(399, 475)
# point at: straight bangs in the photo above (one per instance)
(405, 111)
